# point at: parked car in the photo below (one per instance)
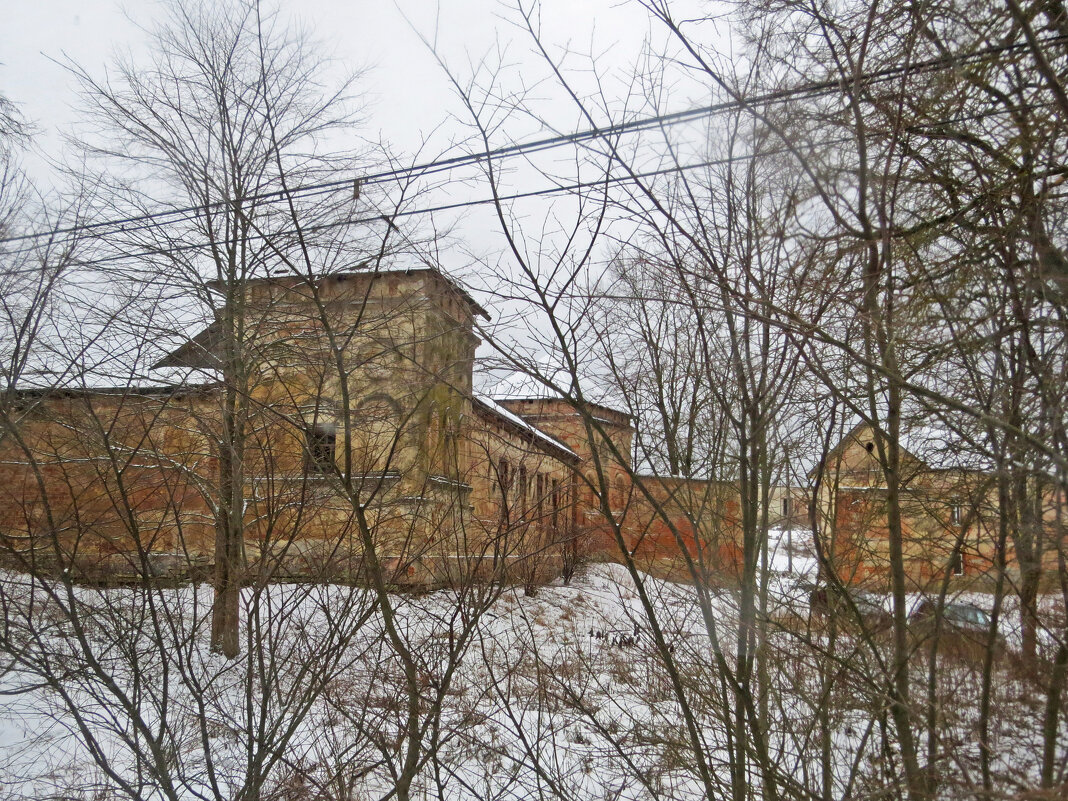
(850, 604)
(960, 621)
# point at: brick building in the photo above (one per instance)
(949, 511)
(316, 413)
(321, 416)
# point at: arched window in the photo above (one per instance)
(504, 483)
(539, 499)
(522, 491)
(956, 513)
(555, 500)
(376, 421)
(504, 477)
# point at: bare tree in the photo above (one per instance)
(882, 242)
(233, 114)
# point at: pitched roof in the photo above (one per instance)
(930, 442)
(488, 407)
(522, 386)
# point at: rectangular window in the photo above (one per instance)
(322, 448)
(523, 491)
(956, 563)
(956, 514)
(785, 507)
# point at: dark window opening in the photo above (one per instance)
(871, 447)
(503, 477)
(956, 563)
(785, 507)
(540, 498)
(956, 514)
(322, 448)
(556, 504)
(523, 491)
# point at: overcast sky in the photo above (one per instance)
(409, 95)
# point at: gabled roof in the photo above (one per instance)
(197, 352)
(554, 447)
(928, 442)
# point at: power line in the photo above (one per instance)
(810, 90)
(544, 192)
(547, 191)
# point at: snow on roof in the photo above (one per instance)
(519, 385)
(135, 382)
(942, 448)
(518, 421)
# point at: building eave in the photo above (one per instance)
(545, 442)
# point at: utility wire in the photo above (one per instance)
(544, 192)
(547, 191)
(805, 91)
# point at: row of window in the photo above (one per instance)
(539, 496)
(956, 511)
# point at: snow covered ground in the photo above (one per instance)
(489, 693)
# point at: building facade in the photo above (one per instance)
(326, 419)
(950, 511)
(329, 420)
